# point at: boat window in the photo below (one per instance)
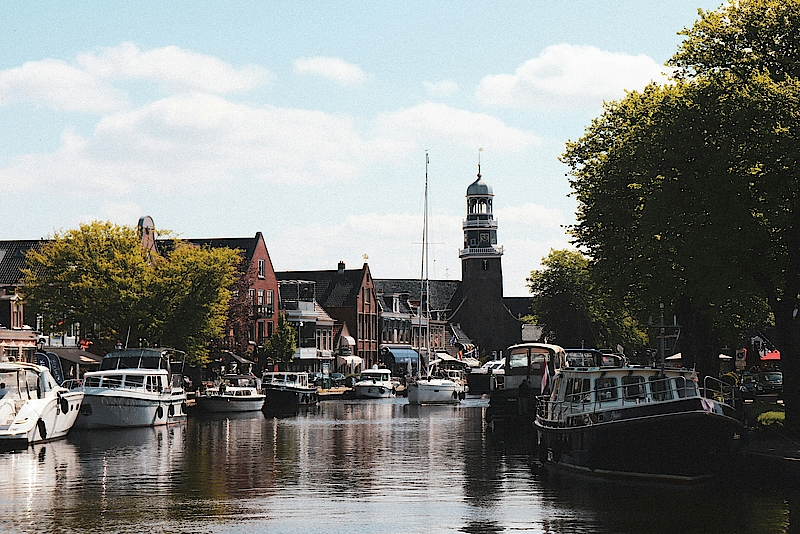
(32, 380)
(91, 382)
(151, 362)
(153, 383)
(660, 388)
(134, 381)
(112, 381)
(684, 387)
(537, 363)
(633, 387)
(518, 360)
(578, 390)
(109, 363)
(606, 388)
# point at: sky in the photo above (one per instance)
(309, 121)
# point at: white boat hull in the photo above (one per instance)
(373, 391)
(25, 422)
(434, 391)
(104, 408)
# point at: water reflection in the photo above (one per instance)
(355, 466)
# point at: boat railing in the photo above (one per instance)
(718, 390)
(574, 409)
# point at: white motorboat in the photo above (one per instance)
(375, 384)
(134, 387)
(33, 407)
(487, 377)
(233, 393)
(605, 417)
(434, 390)
(287, 390)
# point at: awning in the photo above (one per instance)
(240, 359)
(677, 356)
(402, 356)
(349, 360)
(348, 340)
(75, 355)
(771, 356)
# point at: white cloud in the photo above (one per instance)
(173, 67)
(436, 123)
(531, 217)
(443, 88)
(566, 76)
(62, 86)
(335, 69)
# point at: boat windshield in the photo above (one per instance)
(10, 385)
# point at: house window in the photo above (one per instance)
(260, 301)
(251, 293)
(270, 298)
(261, 268)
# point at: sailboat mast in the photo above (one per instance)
(424, 286)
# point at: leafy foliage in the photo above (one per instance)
(100, 276)
(574, 311)
(688, 193)
(282, 344)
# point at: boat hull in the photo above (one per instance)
(38, 420)
(482, 383)
(434, 391)
(114, 409)
(230, 403)
(682, 441)
(278, 398)
(373, 391)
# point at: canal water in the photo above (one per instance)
(349, 466)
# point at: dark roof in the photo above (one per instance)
(12, 259)
(334, 288)
(246, 244)
(441, 291)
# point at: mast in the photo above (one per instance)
(424, 286)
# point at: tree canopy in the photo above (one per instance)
(688, 192)
(100, 276)
(282, 344)
(574, 311)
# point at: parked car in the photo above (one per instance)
(337, 379)
(770, 382)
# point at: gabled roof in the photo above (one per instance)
(441, 291)
(12, 259)
(247, 245)
(518, 306)
(334, 288)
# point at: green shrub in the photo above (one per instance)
(771, 418)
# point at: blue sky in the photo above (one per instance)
(309, 121)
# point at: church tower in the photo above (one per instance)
(480, 257)
(478, 304)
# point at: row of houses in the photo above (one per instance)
(345, 318)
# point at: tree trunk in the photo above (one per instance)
(788, 341)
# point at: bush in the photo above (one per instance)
(771, 418)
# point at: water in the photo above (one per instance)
(348, 466)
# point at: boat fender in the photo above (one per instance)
(63, 404)
(380, 391)
(462, 395)
(159, 412)
(183, 407)
(394, 391)
(455, 395)
(171, 411)
(42, 428)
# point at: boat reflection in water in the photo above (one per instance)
(349, 466)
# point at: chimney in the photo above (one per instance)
(341, 267)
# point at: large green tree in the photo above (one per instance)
(574, 311)
(100, 276)
(688, 191)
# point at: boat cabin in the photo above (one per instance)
(526, 362)
(285, 379)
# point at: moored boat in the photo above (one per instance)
(287, 390)
(33, 407)
(134, 387)
(486, 378)
(375, 384)
(434, 390)
(232, 393)
(605, 417)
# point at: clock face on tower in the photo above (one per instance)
(484, 238)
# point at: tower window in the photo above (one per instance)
(485, 265)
